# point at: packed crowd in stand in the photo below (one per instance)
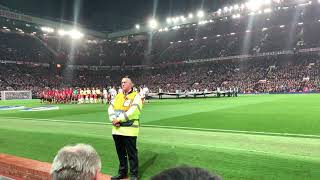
(295, 73)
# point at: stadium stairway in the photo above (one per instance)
(19, 168)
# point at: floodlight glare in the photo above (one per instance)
(190, 15)
(169, 20)
(254, 5)
(268, 10)
(200, 14)
(175, 19)
(75, 34)
(137, 26)
(47, 29)
(153, 23)
(62, 32)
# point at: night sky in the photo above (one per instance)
(111, 15)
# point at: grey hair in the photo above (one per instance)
(128, 79)
(79, 162)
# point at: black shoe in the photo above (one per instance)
(133, 178)
(119, 176)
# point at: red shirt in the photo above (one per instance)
(70, 92)
(50, 92)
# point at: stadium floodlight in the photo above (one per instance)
(236, 16)
(300, 23)
(232, 34)
(254, 5)
(218, 35)
(153, 23)
(4, 27)
(175, 19)
(176, 27)
(47, 29)
(137, 26)
(171, 42)
(282, 26)
(169, 20)
(225, 9)
(318, 20)
(267, 2)
(165, 29)
(75, 34)
(190, 16)
(205, 37)
(200, 14)
(179, 41)
(268, 10)
(203, 22)
(191, 39)
(62, 32)
(219, 11)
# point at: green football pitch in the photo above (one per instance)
(249, 137)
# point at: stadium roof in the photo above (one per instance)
(111, 15)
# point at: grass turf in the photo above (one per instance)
(232, 155)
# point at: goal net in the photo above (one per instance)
(10, 95)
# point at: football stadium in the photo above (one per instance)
(160, 89)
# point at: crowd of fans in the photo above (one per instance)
(283, 73)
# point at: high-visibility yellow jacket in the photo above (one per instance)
(126, 108)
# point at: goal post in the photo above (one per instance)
(11, 95)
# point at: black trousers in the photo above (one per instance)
(127, 147)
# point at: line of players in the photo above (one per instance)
(84, 95)
(76, 95)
